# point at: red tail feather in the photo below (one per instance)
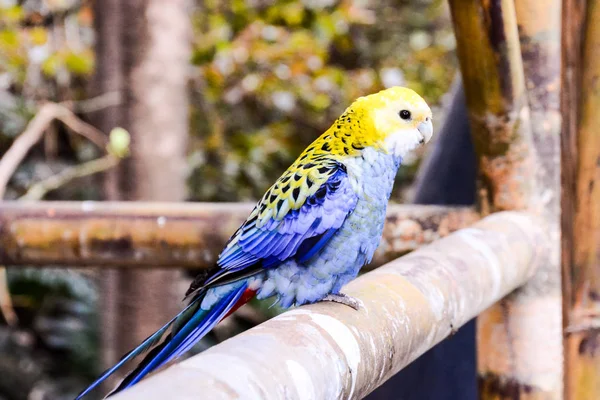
(246, 297)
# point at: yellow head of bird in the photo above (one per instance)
(395, 120)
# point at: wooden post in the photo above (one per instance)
(581, 220)
(109, 77)
(152, 39)
(539, 26)
(519, 339)
(157, 35)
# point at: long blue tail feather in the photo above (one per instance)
(199, 325)
(144, 346)
(187, 328)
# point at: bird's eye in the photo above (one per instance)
(405, 114)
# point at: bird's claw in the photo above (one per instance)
(344, 299)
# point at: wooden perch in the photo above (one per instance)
(136, 234)
(330, 351)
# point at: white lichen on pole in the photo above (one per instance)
(330, 351)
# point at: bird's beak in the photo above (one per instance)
(426, 129)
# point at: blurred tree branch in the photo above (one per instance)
(35, 131)
(59, 10)
(6, 307)
(39, 189)
(100, 102)
(116, 148)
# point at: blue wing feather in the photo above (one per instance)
(301, 234)
(311, 247)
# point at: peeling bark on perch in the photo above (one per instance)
(329, 351)
(187, 235)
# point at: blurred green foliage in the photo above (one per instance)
(272, 75)
(267, 78)
(33, 53)
(53, 351)
(45, 54)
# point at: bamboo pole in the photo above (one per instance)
(122, 234)
(330, 351)
(492, 69)
(509, 58)
(539, 25)
(582, 258)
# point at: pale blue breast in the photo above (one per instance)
(372, 177)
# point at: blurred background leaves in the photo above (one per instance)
(265, 79)
(271, 76)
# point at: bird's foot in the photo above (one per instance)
(344, 299)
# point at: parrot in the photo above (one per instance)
(309, 234)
